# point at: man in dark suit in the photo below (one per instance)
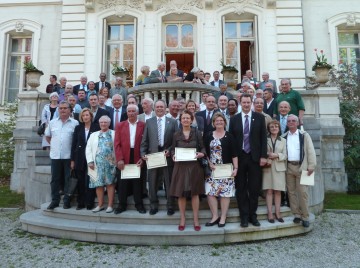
(157, 76)
(102, 83)
(95, 109)
(158, 136)
(117, 111)
(265, 77)
(216, 82)
(249, 130)
(82, 85)
(207, 114)
(270, 102)
(223, 92)
(284, 110)
(127, 143)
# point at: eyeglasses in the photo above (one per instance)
(293, 121)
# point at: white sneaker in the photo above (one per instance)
(109, 210)
(97, 209)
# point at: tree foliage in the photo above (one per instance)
(347, 80)
(7, 146)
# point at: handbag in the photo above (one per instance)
(41, 129)
(72, 183)
(204, 163)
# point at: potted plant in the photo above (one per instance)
(119, 71)
(229, 73)
(33, 74)
(321, 67)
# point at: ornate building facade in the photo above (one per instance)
(75, 37)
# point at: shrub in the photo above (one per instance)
(347, 80)
(7, 146)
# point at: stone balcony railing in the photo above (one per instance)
(171, 91)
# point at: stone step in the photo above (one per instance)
(154, 234)
(134, 217)
(162, 202)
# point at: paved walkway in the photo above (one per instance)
(334, 242)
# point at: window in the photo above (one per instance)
(19, 49)
(121, 48)
(349, 49)
(239, 45)
(179, 36)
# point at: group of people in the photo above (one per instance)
(255, 132)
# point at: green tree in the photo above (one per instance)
(348, 81)
(7, 146)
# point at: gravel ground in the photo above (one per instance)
(334, 242)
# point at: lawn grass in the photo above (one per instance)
(10, 199)
(342, 201)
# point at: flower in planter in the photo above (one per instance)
(29, 66)
(118, 69)
(321, 61)
(227, 67)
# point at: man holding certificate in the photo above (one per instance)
(158, 134)
(128, 135)
(301, 157)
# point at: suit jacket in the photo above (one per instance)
(217, 95)
(280, 149)
(258, 139)
(100, 112)
(154, 77)
(286, 128)
(270, 110)
(78, 145)
(112, 112)
(273, 82)
(141, 117)
(207, 127)
(97, 88)
(122, 141)
(220, 82)
(76, 89)
(150, 144)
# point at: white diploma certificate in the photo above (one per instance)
(222, 171)
(130, 171)
(185, 154)
(92, 175)
(305, 179)
(156, 160)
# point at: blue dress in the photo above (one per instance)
(105, 161)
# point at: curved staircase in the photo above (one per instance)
(133, 228)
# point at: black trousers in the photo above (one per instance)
(248, 183)
(86, 195)
(124, 185)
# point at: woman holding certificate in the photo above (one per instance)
(188, 175)
(101, 162)
(274, 172)
(221, 151)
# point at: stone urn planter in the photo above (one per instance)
(322, 75)
(123, 75)
(229, 77)
(33, 79)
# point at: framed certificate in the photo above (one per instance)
(156, 160)
(130, 171)
(185, 154)
(305, 179)
(222, 171)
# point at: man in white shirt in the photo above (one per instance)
(59, 135)
(148, 111)
(204, 95)
(301, 157)
(174, 111)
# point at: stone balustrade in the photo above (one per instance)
(171, 91)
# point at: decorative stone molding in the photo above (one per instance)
(148, 4)
(209, 4)
(179, 6)
(121, 6)
(239, 6)
(19, 27)
(351, 20)
(90, 4)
